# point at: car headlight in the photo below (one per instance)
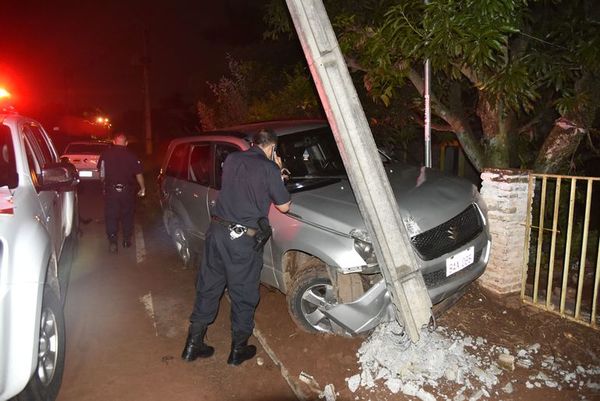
(481, 206)
(411, 226)
(363, 245)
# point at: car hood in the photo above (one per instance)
(426, 198)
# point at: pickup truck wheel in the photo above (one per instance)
(47, 376)
(311, 290)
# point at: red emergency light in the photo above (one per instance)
(5, 105)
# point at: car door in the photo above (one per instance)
(174, 178)
(195, 189)
(39, 155)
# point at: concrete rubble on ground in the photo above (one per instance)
(469, 367)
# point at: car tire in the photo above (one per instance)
(310, 288)
(47, 376)
(187, 256)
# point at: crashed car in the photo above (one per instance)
(320, 255)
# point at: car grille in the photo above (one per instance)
(438, 277)
(448, 236)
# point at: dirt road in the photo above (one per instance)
(127, 321)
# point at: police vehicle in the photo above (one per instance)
(38, 237)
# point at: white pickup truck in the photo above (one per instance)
(38, 238)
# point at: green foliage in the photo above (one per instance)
(250, 92)
(230, 98)
(296, 98)
(518, 63)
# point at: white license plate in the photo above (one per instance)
(459, 261)
(85, 173)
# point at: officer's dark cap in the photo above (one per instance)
(264, 136)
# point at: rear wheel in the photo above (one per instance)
(47, 377)
(309, 293)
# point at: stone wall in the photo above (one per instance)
(505, 193)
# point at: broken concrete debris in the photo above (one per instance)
(469, 365)
(328, 393)
(506, 361)
(310, 381)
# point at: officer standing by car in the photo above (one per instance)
(233, 256)
(120, 169)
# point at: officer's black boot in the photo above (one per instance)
(240, 350)
(195, 347)
(112, 244)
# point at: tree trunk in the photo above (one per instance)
(496, 124)
(559, 146)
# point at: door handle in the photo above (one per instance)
(212, 203)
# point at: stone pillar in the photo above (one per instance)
(505, 194)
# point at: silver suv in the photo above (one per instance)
(320, 254)
(38, 233)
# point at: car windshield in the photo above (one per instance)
(311, 154)
(85, 148)
(313, 159)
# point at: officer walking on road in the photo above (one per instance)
(233, 256)
(120, 169)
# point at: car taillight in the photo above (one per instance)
(7, 205)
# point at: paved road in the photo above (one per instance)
(126, 323)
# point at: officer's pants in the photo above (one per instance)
(231, 263)
(119, 206)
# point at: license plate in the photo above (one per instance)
(85, 173)
(459, 261)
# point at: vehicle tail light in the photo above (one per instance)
(8, 210)
(6, 202)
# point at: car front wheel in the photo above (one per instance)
(310, 292)
(47, 377)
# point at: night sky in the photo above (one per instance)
(84, 54)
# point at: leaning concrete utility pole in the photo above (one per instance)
(363, 164)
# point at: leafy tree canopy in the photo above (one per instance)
(517, 81)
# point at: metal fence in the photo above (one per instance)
(561, 266)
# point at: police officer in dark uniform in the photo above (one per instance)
(232, 257)
(120, 170)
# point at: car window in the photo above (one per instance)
(177, 165)
(200, 164)
(35, 169)
(8, 167)
(222, 150)
(311, 153)
(40, 145)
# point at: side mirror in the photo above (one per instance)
(59, 177)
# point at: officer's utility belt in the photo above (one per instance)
(236, 230)
(118, 187)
